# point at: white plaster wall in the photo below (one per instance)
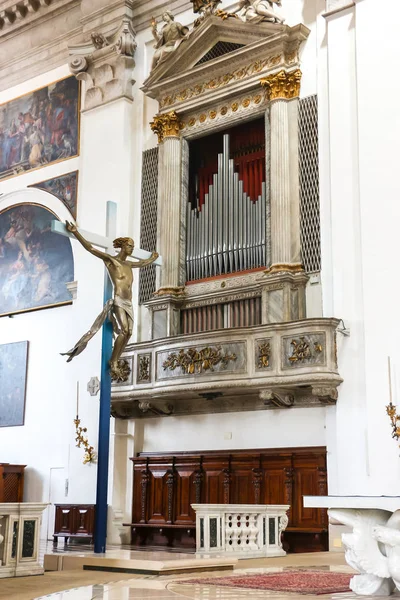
(247, 430)
(359, 130)
(46, 442)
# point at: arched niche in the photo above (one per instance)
(35, 264)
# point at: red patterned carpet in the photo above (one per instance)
(302, 582)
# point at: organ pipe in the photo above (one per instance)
(226, 232)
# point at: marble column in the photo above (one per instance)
(284, 294)
(165, 306)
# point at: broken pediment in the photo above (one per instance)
(227, 50)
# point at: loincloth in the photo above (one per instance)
(126, 305)
(107, 312)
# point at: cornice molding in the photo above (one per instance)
(334, 7)
(106, 65)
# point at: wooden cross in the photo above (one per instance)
(105, 242)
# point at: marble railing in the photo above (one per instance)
(251, 530)
(248, 368)
(19, 538)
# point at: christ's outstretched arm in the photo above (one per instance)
(143, 263)
(74, 230)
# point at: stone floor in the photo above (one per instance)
(83, 585)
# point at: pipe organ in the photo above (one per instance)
(226, 212)
(239, 313)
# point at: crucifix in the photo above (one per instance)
(119, 310)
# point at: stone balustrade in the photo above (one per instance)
(19, 538)
(247, 368)
(251, 530)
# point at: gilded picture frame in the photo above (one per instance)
(35, 264)
(64, 187)
(40, 128)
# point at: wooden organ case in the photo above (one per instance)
(165, 485)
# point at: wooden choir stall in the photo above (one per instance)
(165, 485)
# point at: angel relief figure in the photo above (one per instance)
(255, 11)
(169, 38)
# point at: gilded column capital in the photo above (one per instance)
(166, 125)
(282, 85)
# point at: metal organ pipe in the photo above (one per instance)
(227, 233)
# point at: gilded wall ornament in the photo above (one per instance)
(166, 125)
(81, 440)
(283, 85)
(264, 354)
(193, 361)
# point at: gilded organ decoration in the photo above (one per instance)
(264, 354)
(143, 375)
(194, 361)
(304, 350)
(166, 125)
(301, 350)
(168, 39)
(283, 85)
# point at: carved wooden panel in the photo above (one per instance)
(157, 496)
(74, 520)
(165, 486)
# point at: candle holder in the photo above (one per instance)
(81, 440)
(391, 410)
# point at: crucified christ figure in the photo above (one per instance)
(119, 309)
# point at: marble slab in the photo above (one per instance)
(150, 567)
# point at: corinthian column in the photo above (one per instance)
(165, 307)
(285, 292)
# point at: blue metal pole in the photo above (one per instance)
(100, 527)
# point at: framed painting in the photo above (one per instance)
(13, 373)
(64, 187)
(35, 264)
(40, 128)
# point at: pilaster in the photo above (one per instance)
(284, 291)
(283, 89)
(165, 319)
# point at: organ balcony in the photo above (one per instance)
(266, 366)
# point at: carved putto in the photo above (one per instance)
(169, 38)
(255, 11)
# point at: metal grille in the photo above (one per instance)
(310, 230)
(219, 49)
(148, 221)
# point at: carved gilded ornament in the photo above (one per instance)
(193, 361)
(283, 85)
(170, 291)
(264, 354)
(302, 350)
(166, 125)
(286, 267)
(221, 81)
(144, 368)
(241, 104)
